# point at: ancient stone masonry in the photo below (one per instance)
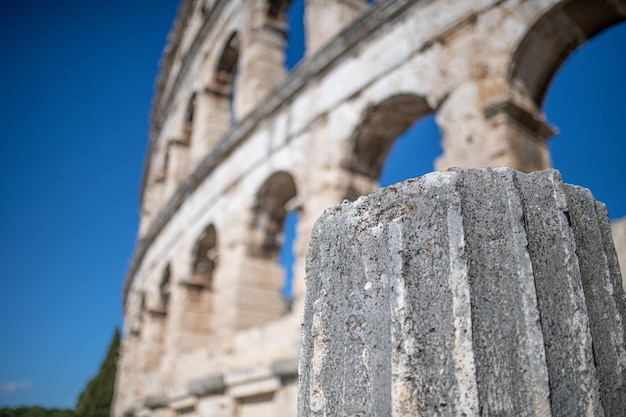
(238, 145)
(475, 292)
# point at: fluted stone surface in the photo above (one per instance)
(468, 293)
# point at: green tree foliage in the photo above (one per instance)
(35, 412)
(96, 398)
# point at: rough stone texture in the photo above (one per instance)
(199, 304)
(474, 292)
(603, 294)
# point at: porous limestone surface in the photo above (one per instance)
(472, 292)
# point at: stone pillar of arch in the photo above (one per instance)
(487, 123)
(263, 53)
(213, 105)
(152, 199)
(247, 294)
(196, 292)
(259, 299)
(176, 165)
(155, 320)
(324, 19)
(152, 338)
(183, 321)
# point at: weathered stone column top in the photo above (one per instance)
(465, 293)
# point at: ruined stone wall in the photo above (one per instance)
(237, 143)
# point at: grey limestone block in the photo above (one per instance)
(467, 293)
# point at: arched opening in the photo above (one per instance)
(227, 64)
(544, 45)
(270, 212)
(553, 38)
(226, 74)
(413, 153)
(205, 258)
(585, 101)
(382, 125)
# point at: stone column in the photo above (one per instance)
(177, 166)
(475, 292)
(211, 122)
(324, 19)
(263, 61)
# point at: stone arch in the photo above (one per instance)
(496, 117)
(584, 100)
(513, 128)
(269, 214)
(381, 124)
(174, 166)
(554, 36)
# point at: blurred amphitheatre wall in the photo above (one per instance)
(237, 143)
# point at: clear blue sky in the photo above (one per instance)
(76, 85)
